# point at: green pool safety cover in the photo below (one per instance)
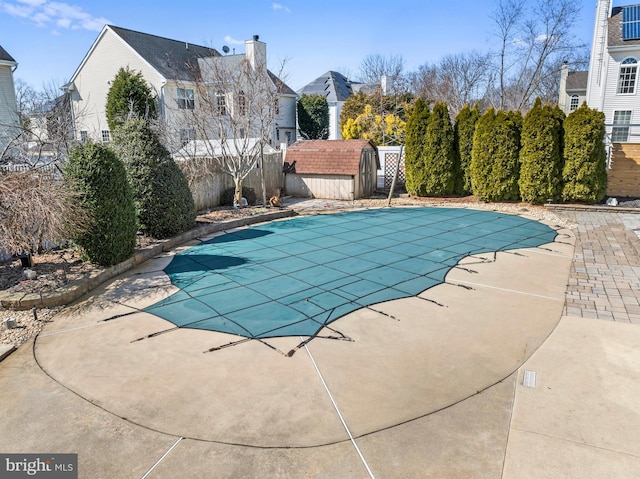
(293, 277)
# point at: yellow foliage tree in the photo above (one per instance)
(382, 130)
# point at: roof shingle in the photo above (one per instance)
(172, 58)
(327, 157)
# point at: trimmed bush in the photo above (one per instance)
(439, 153)
(100, 179)
(495, 156)
(414, 164)
(541, 154)
(229, 194)
(585, 158)
(129, 97)
(463, 132)
(161, 192)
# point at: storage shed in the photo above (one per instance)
(331, 169)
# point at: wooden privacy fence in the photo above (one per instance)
(208, 182)
(624, 174)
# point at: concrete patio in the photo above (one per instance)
(430, 386)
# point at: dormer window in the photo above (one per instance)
(628, 75)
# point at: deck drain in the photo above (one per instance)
(529, 379)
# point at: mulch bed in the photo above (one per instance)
(55, 269)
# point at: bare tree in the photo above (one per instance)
(36, 208)
(45, 134)
(35, 205)
(534, 39)
(458, 79)
(232, 116)
(376, 66)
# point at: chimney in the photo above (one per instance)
(564, 73)
(256, 53)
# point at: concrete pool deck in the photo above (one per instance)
(434, 389)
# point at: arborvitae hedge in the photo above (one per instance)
(99, 177)
(463, 133)
(439, 154)
(585, 168)
(161, 192)
(541, 154)
(129, 97)
(482, 156)
(416, 130)
(495, 156)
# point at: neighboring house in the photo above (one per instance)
(9, 122)
(172, 68)
(573, 89)
(336, 88)
(612, 88)
(331, 169)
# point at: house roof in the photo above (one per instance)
(334, 86)
(577, 81)
(174, 59)
(615, 30)
(282, 87)
(5, 57)
(327, 157)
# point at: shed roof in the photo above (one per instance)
(327, 157)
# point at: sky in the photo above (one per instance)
(49, 39)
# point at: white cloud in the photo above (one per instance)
(233, 41)
(278, 7)
(56, 15)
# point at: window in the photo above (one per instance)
(242, 104)
(627, 79)
(575, 100)
(84, 135)
(621, 124)
(221, 102)
(277, 106)
(242, 132)
(631, 22)
(187, 135)
(106, 137)
(186, 99)
(288, 135)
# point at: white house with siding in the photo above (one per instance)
(9, 122)
(612, 88)
(171, 68)
(612, 85)
(573, 89)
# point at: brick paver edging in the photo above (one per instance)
(76, 289)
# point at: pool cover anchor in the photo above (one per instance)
(240, 341)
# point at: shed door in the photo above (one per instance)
(367, 174)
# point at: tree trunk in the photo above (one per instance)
(262, 181)
(238, 193)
